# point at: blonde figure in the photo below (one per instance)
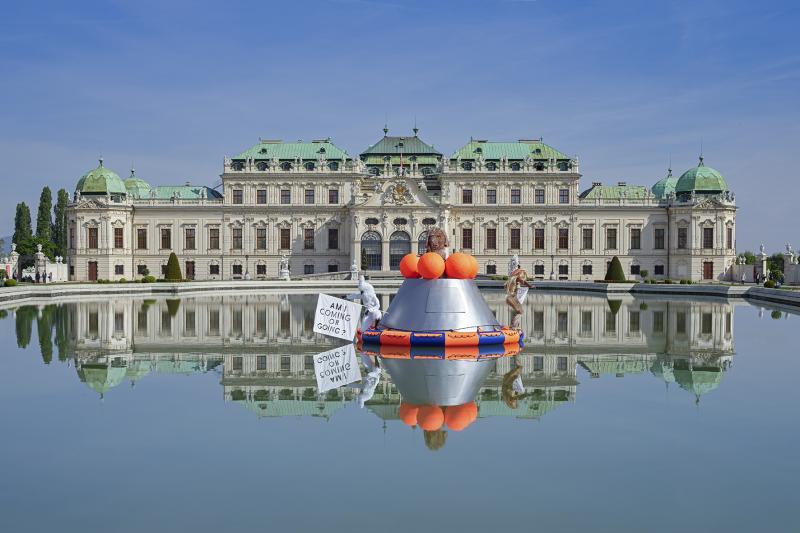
(517, 289)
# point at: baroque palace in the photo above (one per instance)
(312, 206)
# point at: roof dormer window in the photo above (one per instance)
(515, 167)
(309, 166)
(262, 151)
(538, 151)
(491, 166)
(286, 166)
(466, 165)
(478, 150)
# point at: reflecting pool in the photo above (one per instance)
(630, 414)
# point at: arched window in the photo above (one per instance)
(333, 165)
(238, 166)
(399, 246)
(371, 251)
(262, 166)
(539, 165)
(515, 167)
(491, 166)
(309, 166)
(286, 166)
(422, 242)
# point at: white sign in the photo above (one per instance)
(336, 368)
(336, 317)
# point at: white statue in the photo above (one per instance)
(513, 264)
(371, 303)
(761, 248)
(284, 268)
(370, 381)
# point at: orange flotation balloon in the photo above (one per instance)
(408, 266)
(461, 266)
(459, 417)
(430, 417)
(430, 265)
(408, 413)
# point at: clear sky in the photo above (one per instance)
(175, 86)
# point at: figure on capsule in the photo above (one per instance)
(371, 380)
(516, 290)
(371, 303)
(437, 242)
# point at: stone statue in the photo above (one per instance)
(789, 249)
(284, 268)
(761, 249)
(513, 264)
(370, 301)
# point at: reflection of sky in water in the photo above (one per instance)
(634, 414)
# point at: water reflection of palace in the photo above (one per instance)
(263, 347)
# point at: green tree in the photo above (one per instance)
(23, 234)
(173, 268)
(44, 224)
(60, 222)
(615, 272)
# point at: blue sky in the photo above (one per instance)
(175, 86)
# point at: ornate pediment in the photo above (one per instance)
(90, 203)
(398, 193)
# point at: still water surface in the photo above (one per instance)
(203, 414)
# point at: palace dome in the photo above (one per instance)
(101, 180)
(665, 186)
(136, 187)
(701, 179)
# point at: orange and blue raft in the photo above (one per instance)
(393, 337)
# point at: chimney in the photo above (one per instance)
(622, 183)
(597, 184)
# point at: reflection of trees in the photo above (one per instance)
(24, 325)
(44, 330)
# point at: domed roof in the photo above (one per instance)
(701, 179)
(101, 377)
(101, 180)
(665, 186)
(136, 187)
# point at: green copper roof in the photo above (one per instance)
(184, 192)
(519, 150)
(701, 179)
(101, 180)
(665, 186)
(699, 381)
(615, 192)
(377, 159)
(137, 188)
(291, 151)
(396, 145)
(101, 377)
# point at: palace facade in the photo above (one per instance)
(320, 210)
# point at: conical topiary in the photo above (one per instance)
(615, 272)
(173, 268)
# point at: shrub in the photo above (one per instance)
(10, 283)
(769, 284)
(776, 315)
(122, 280)
(643, 306)
(668, 281)
(644, 273)
(615, 272)
(148, 279)
(173, 268)
(684, 282)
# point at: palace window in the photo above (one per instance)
(611, 238)
(213, 238)
(333, 166)
(236, 234)
(166, 238)
(563, 196)
(466, 238)
(309, 196)
(308, 269)
(516, 196)
(658, 321)
(72, 237)
(491, 196)
(400, 221)
(491, 269)
(729, 238)
(538, 238)
(515, 167)
(285, 239)
(261, 196)
(683, 237)
(659, 238)
(563, 270)
(563, 238)
(141, 269)
(466, 196)
(491, 238)
(141, 238)
(635, 269)
(634, 320)
(586, 242)
(119, 270)
(491, 166)
(466, 165)
(708, 238)
(286, 166)
(538, 270)
(308, 238)
(538, 360)
(237, 271)
(333, 196)
(213, 270)
(261, 238)
(515, 239)
(286, 196)
(333, 238)
(333, 268)
(309, 166)
(189, 239)
(118, 239)
(262, 166)
(658, 270)
(92, 238)
(371, 221)
(538, 196)
(636, 239)
(238, 196)
(587, 270)
(261, 270)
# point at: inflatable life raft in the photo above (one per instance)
(452, 353)
(393, 337)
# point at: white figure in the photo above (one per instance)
(371, 303)
(513, 264)
(370, 381)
